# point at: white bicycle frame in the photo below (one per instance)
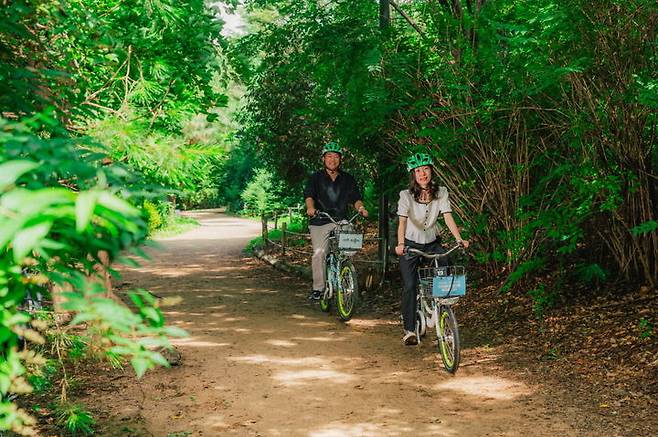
(430, 313)
(340, 254)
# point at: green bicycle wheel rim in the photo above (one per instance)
(445, 352)
(343, 312)
(324, 303)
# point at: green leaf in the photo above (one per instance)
(175, 331)
(84, 209)
(159, 359)
(8, 230)
(113, 203)
(10, 171)
(644, 228)
(130, 262)
(28, 239)
(5, 333)
(154, 315)
(141, 365)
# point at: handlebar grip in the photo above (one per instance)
(407, 249)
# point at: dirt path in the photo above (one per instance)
(263, 361)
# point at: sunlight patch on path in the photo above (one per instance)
(263, 359)
(372, 323)
(320, 339)
(317, 369)
(485, 387)
(380, 430)
(196, 343)
(317, 324)
(292, 378)
(282, 343)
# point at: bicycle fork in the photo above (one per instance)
(428, 317)
(332, 275)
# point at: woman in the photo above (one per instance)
(419, 209)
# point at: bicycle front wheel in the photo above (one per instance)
(448, 336)
(346, 295)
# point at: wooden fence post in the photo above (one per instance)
(284, 237)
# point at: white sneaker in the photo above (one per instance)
(410, 338)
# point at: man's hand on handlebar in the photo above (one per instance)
(311, 212)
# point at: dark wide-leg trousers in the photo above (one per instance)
(409, 263)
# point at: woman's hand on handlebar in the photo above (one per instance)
(400, 249)
(464, 243)
(311, 212)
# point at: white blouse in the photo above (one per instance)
(422, 217)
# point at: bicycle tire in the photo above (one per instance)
(325, 300)
(447, 333)
(347, 292)
(421, 325)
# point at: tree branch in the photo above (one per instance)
(406, 17)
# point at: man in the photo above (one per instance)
(329, 190)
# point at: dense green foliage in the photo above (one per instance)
(541, 118)
(106, 108)
(261, 196)
(142, 77)
(82, 56)
(52, 238)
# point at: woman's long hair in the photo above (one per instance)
(415, 189)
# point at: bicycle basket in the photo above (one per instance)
(443, 282)
(350, 241)
(425, 275)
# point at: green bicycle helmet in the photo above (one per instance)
(418, 160)
(332, 147)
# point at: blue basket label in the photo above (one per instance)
(446, 286)
(350, 240)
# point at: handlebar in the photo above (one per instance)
(433, 255)
(326, 215)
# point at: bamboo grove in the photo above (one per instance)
(540, 115)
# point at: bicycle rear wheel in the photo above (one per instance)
(347, 292)
(421, 325)
(325, 300)
(448, 336)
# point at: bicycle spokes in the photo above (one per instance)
(448, 338)
(347, 291)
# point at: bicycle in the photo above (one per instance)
(341, 285)
(440, 287)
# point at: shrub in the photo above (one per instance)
(58, 212)
(153, 217)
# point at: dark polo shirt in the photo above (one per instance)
(330, 196)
